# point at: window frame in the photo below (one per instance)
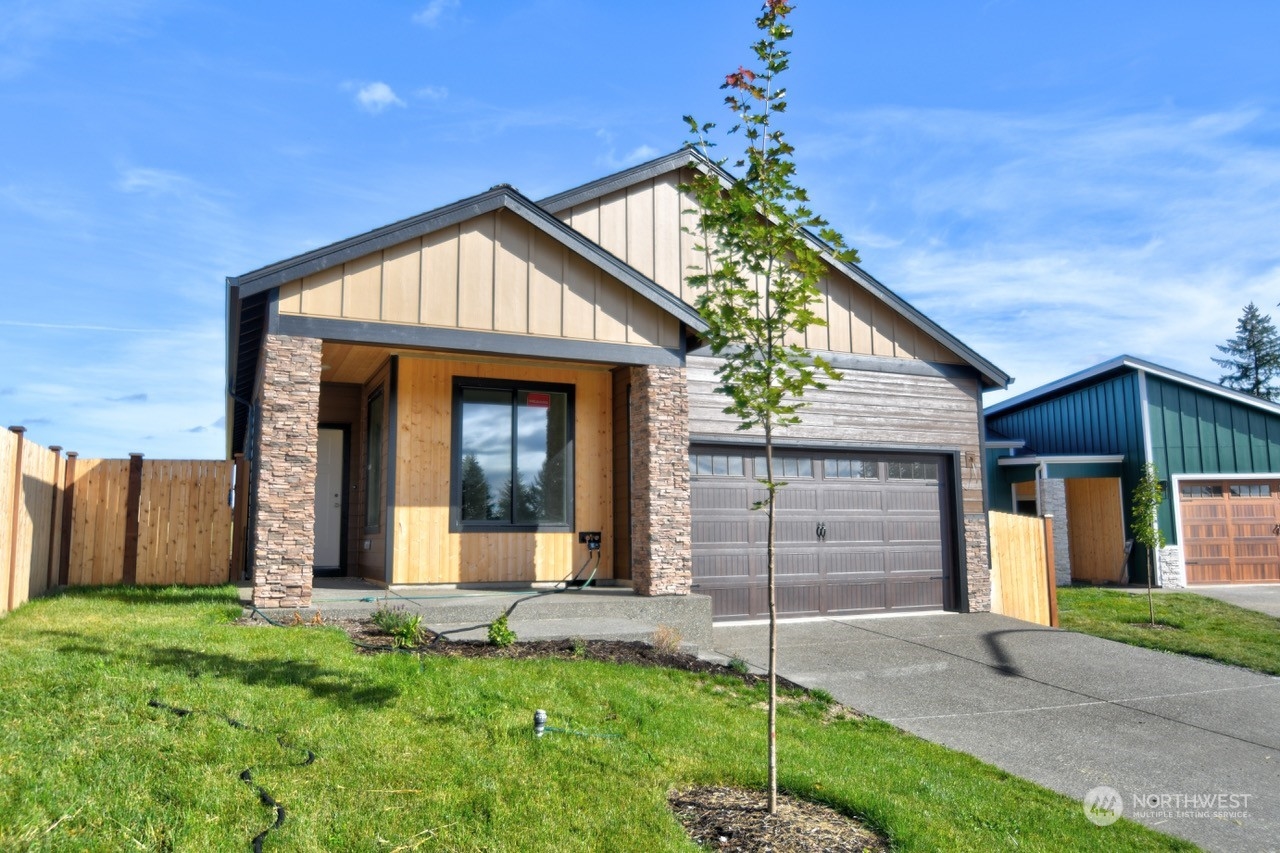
(374, 452)
(515, 387)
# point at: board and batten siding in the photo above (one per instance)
(492, 273)
(644, 225)
(866, 410)
(425, 551)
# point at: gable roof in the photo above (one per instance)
(1118, 365)
(500, 197)
(992, 376)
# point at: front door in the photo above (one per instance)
(329, 470)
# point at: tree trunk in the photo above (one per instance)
(773, 625)
(1151, 570)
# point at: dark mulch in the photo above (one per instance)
(739, 820)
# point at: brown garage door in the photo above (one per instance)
(856, 532)
(1229, 530)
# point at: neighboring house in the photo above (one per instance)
(455, 398)
(1077, 446)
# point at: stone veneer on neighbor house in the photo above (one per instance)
(285, 485)
(661, 555)
(1051, 499)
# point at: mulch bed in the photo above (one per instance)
(722, 819)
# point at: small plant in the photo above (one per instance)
(317, 619)
(500, 633)
(404, 628)
(667, 639)
(579, 645)
(739, 666)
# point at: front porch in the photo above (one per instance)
(544, 613)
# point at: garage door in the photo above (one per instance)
(1229, 530)
(856, 532)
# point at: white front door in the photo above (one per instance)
(329, 500)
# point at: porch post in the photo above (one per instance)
(660, 517)
(285, 486)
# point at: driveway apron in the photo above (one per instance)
(1193, 747)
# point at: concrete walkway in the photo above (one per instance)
(1263, 597)
(1066, 710)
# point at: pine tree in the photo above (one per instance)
(1253, 356)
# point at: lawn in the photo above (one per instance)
(1196, 625)
(431, 753)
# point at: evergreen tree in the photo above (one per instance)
(1253, 356)
(477, 502)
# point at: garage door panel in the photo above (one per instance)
(1229, 530)
(849, 539)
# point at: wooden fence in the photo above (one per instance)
(1022, 579)
(89, 522)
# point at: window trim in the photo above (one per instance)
(515, 386)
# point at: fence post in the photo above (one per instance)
(133, 506)
(17, 511)
(1050, 572)
(54, 505)
(68, 511)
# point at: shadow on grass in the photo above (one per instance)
(322, 682)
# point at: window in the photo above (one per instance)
(786, 466)
(373, 463)
(1202, 491)
(1260, 490)
(512, 455)
(850, 469)
(715, 465)
(913, 471)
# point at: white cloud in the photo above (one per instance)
(433, 12)
(376, 97)
(610, 159)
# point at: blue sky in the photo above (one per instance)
(1055, 183)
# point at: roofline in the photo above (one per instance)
(500, 197)
(992, 376)
(1005, 443)
(1122, 362)
(1061, 459)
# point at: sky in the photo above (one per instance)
(1055, 183)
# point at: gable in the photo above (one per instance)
(640, 216)
(493, 272)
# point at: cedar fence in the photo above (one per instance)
(1022, 578)
(66, 521)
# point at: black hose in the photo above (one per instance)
(246, 775)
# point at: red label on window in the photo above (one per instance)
(535, 400)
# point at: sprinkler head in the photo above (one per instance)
(539, 722)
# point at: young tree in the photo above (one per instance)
(1252, 356)
(1147, 496)
(758, 287)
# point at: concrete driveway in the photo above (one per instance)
(1263, 597)
(1068, 711)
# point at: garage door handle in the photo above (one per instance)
(821, 532)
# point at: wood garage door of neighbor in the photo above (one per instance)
(1230, 530)
(857, 532)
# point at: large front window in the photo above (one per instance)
(512, 455)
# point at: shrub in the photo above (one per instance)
(667, 639)
(404, 628)
(500, 633)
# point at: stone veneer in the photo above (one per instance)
(1051, 499)
(661, 561)
(1172, 572)
(977, 555)
(285, 465)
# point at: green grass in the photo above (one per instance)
(1202, 627)
(432, 755)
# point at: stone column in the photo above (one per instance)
(1051, 497)
(661, 562)
(977, 558)
(285, 463)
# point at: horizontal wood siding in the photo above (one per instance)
(493, 273)
(644, 225)
(425, 550)
(867, 410)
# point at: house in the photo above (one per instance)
(459, 397)
(1077, 447)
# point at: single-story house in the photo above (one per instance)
(459, 397)
(1076, 447)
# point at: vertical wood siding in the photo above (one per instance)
(644, 225)
(184, 522)
(1019, 571)
(1095, 528)
(30, 509)
(425, 550)
(493, 273)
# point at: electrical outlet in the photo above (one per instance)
(589, 538)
